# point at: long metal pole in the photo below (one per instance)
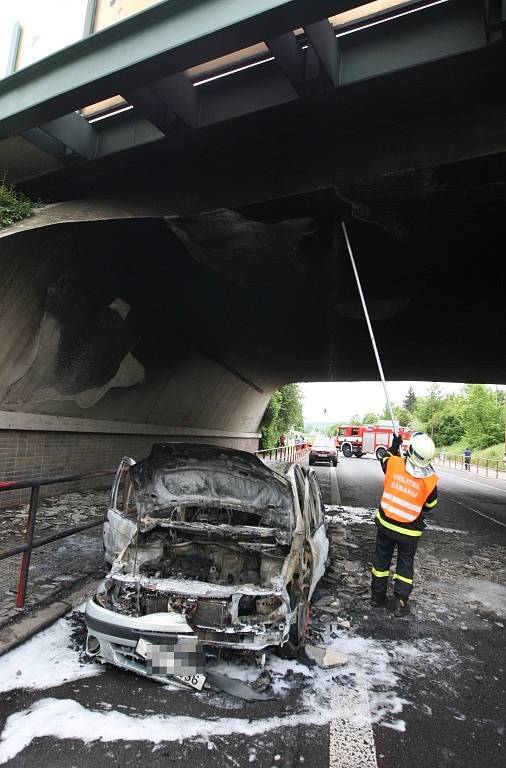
(369, 326)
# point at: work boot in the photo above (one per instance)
(378, 601)
(401, 606)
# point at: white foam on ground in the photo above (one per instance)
(439, 528)
(66, 719)
(381, 664)
(335, 696)
(366, 515)
(350, 515)
(45, 661)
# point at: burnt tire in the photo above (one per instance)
(298, 629)
(380, 453)
(346, 451)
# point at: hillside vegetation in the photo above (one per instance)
(13, 205)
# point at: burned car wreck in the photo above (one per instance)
(209, 548)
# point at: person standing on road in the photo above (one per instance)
(467, 459)
(410, 488)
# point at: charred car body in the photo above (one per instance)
(209, 548)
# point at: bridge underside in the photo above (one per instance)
(178, 283)
(194, 320)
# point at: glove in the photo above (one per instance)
(396, 444)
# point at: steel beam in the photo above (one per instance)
(290, 58)
(181, 97)
(89, 19)
(437, 32)
(163, 40)
(13, 48)
(405, 41)
(150, 106)
(166, 101)
(65, 137)
(442, 112)
(323, 41)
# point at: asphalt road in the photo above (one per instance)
(466, 722)
(451, 703)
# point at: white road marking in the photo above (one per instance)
(474, 482)
(351, 740)
(482, 514)
(335, 496)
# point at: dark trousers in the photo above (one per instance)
(403, 578)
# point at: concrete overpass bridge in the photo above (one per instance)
(190, 259)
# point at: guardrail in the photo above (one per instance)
(285, 452)
(486, 467)
(30, 542)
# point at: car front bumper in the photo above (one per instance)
(113, 637)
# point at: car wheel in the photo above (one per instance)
(335, 462)
(347, 451)
(311, 461)
(380, 453)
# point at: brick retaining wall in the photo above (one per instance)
(26, 454)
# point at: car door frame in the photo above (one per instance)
(118, 528)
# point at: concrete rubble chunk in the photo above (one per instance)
(325, 656)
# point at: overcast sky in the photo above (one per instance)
(343, 400)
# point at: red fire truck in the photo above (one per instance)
(355, 440)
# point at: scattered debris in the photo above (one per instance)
(325, 656)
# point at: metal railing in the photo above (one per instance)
(495, 468)
(30, 542)
(285, 452)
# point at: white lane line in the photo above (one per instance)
(474, 482)
(351, 740)
(335, 496)
(482, 514)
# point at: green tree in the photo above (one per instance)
(427, 408)
(483, 417)
(370, 418)
(449, 425)
(268, 426)
(290, 410)
(284, 412)
(403, 415)
(409, 401)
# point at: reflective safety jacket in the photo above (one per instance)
(404, 498)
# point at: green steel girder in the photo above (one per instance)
(161, 41)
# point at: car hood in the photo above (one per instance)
(178, 474)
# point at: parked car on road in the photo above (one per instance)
(323, 450)
(209, 548)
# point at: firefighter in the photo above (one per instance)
(409, 489)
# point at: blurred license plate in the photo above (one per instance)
(324, 455)
(181, 657)
(194, 681)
